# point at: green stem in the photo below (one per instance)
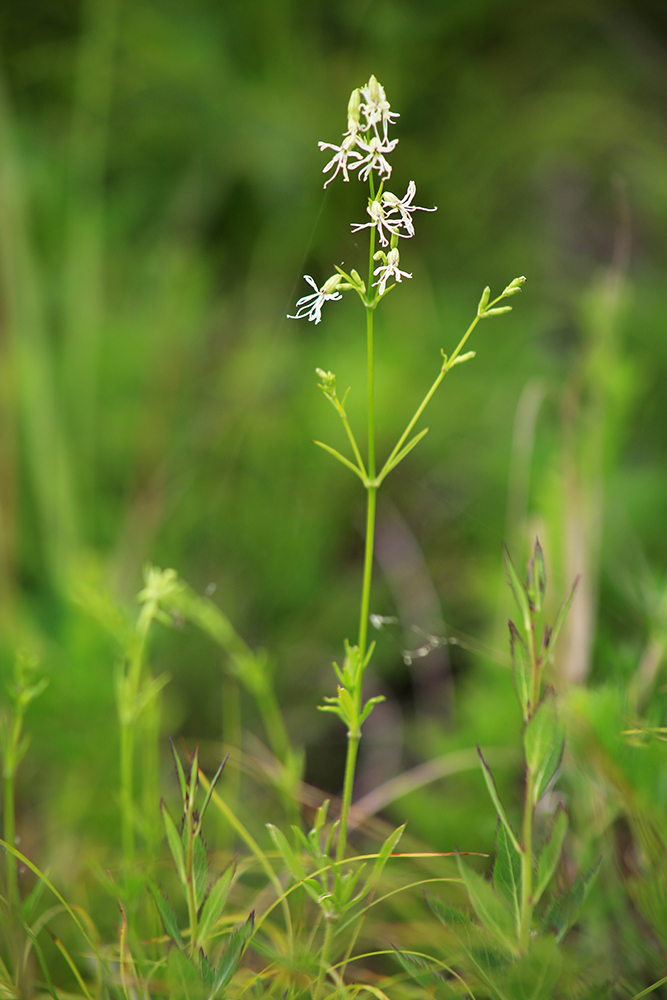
(126, 796)
(348, 785)
(324, 958)
(527, 866)
(386, 468)
(371, 495)
(10, 814)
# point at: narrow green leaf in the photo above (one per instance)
(522, 670)
(193, 776)
(293, 864)
(507, 873)
(215, 903)
(560, 619)
(385, 853)
(491, 910)
(200, 869)
(179, 769)
(550, 855)
(175, 843)
(402, 453)
(232, 956)
(308, 845)
(543, 741)
(500, 809)
(207, 973)
(29, 903)
(42, 961)
(344, 886)
(564, 910)
(166, 913)
(519, 591)
(369, 706)
(211, 788)
(650, 989)
(341, 458)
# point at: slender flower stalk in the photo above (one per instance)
(365, 148)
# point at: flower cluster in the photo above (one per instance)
(392, 214)
(364, 148)
(362, 142)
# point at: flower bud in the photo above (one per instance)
(331, 284)
(483, 301)
(374, 91)
(353, 106)
(514, 286)
(497, 311)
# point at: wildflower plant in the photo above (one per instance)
(365, 149)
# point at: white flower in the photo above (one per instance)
(404, 207)
(374, 159)
(388, 270)
(379, 219)
(375, 107)
(311, 305)
(343, 153)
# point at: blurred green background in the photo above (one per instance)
(160, 200)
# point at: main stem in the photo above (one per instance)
(354, 735)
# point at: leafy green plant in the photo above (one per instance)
(191, 971)
(512, 948)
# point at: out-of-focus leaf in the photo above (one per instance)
(500, 809)
(522, 670)
(519, 591)
(550, 855)
(167, 915)
(560, 619)
(229, 962)
(215, 903)
(535, 975)
(507, 872)
(543, 741)
(565, 909)
(183, 977)
(175, 843)
(492, 911)
(200, 870)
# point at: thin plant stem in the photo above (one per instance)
(371, 496)
(348, 786)
(126, 791)
(324, 958)
(527, 866)
(354, 736)
(388, 465)
(9, 814)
